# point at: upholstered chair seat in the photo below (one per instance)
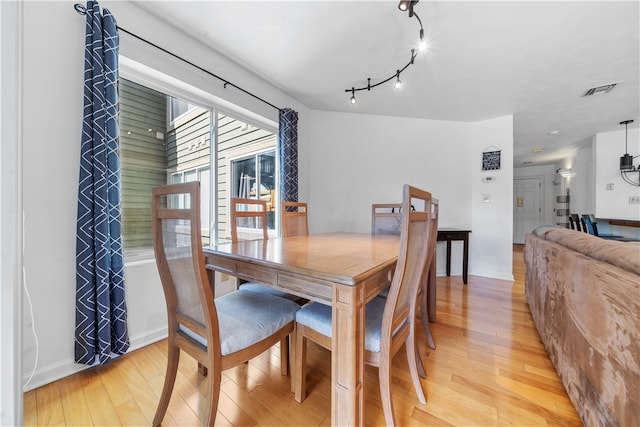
(246, 317)
(318, 317)
(263, 289)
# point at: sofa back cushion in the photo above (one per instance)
(625, 255)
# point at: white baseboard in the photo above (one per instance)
(54, 372)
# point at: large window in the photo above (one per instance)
(166, 139)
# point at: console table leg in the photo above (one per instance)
(448, 257)
(465, 258)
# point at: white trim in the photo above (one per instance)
(154, 79)
(11, 212)
(140, 259)
(57, 371)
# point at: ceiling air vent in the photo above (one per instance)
(601, 89)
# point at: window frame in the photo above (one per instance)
(141, 74)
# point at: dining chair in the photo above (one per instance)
(592, 224)
(295, 220)
(583, 223)
(390, 322)
(248, 219)
(249, 222)
(386, 218)
(576, 221)
(220, 333)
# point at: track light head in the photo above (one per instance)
(405, 5)
(423, 44)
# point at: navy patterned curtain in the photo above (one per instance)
(288, 143)
(101, 314)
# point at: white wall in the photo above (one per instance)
(581, 185)
(607, 150)
(361, 159)
(52, 88)
(492, 222)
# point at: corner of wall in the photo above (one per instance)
(492, 212)
(612, 194)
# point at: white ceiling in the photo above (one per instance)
(485, 59)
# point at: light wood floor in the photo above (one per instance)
(490, 368)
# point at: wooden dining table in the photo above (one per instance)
(343, 270)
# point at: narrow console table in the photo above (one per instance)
(450, 234)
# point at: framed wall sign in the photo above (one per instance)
(491, 160)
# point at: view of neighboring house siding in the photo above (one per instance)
(236, 140)
(143, 158)
(188, 141)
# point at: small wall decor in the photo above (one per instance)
(491, 159)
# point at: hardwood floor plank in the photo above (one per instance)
(262, 415)
(129, 413)
(30, 406)
(426, 419)
(232, 412)
(541, 383)
(101, 408)
(490, 368)
(113, 382)
(514, 415)
(74, 403)
(50, 411)
(145, 396)
(145, 364)
(277, 397)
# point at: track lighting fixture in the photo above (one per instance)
(403, 6)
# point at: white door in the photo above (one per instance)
(527, 207)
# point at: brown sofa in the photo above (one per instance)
(584, 295)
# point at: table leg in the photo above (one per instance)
(465, 258)
(347, 356)
(448, 257)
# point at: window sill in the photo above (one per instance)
(139, 257)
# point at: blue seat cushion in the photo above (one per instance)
(246, 317)
(318, 316)
(256, 287)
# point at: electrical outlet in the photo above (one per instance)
(634, 200)
(610, 186)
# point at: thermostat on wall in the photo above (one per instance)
(488, 179)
